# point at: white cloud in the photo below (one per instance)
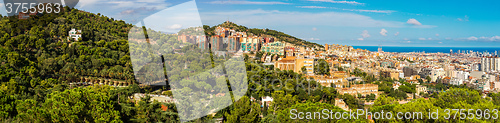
(406, 39)
(129, 10)
(353, 10)
(174, 27)
(472, 38)
(413, 22)
(494, 38)
(344, 2)
(437, 35)
(313, 39)
(372, 11)
(429, 39)
(253, 18)
(361, 39)
(417, 24)
(173, 19)
(482, 38)
(440, 42)
(314, 29)
(397, 33)
(383, 32)
(312, 7)
(422, 39)
(448, 38)
(466, 18)
(156, 4)
(137, 10)
(246, 2)
(365, 34)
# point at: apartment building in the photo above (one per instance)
(250, 44)
(389, 73)
(362, 89)
(489, 64)
(287, 63)
(216, 43)
(233, 43)
(303, 62)
(202, 42)
(328, 81)
(276, 47)
(421, 89)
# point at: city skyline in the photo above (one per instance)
(357, 23)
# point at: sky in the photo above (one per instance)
(419, 23)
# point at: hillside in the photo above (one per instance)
(281, 36)
(38, 63)
(39, 67)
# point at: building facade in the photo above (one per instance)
(489, 64)
(307, 63)
(75, 34)
(250, 44)
(362, 89)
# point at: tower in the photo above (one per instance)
(451, 51)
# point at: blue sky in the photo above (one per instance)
(361, 22)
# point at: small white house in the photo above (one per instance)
(75, 34)
(396, 85)
(266, 99)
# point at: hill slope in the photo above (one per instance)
(281, 36)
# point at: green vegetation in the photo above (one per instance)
(455, 98)
(38, 64)
(322, 68)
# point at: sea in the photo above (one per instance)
(428, 49)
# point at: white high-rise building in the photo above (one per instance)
(490, 64)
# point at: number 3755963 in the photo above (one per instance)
(33, 7)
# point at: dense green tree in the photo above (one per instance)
(245, 111)
(322, 67)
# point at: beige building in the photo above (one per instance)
(390, 73)
(308, 63)
(421, 88)
(287, 63)
(327, 81)
(341, 104)
(295, 64)
(363, 89)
